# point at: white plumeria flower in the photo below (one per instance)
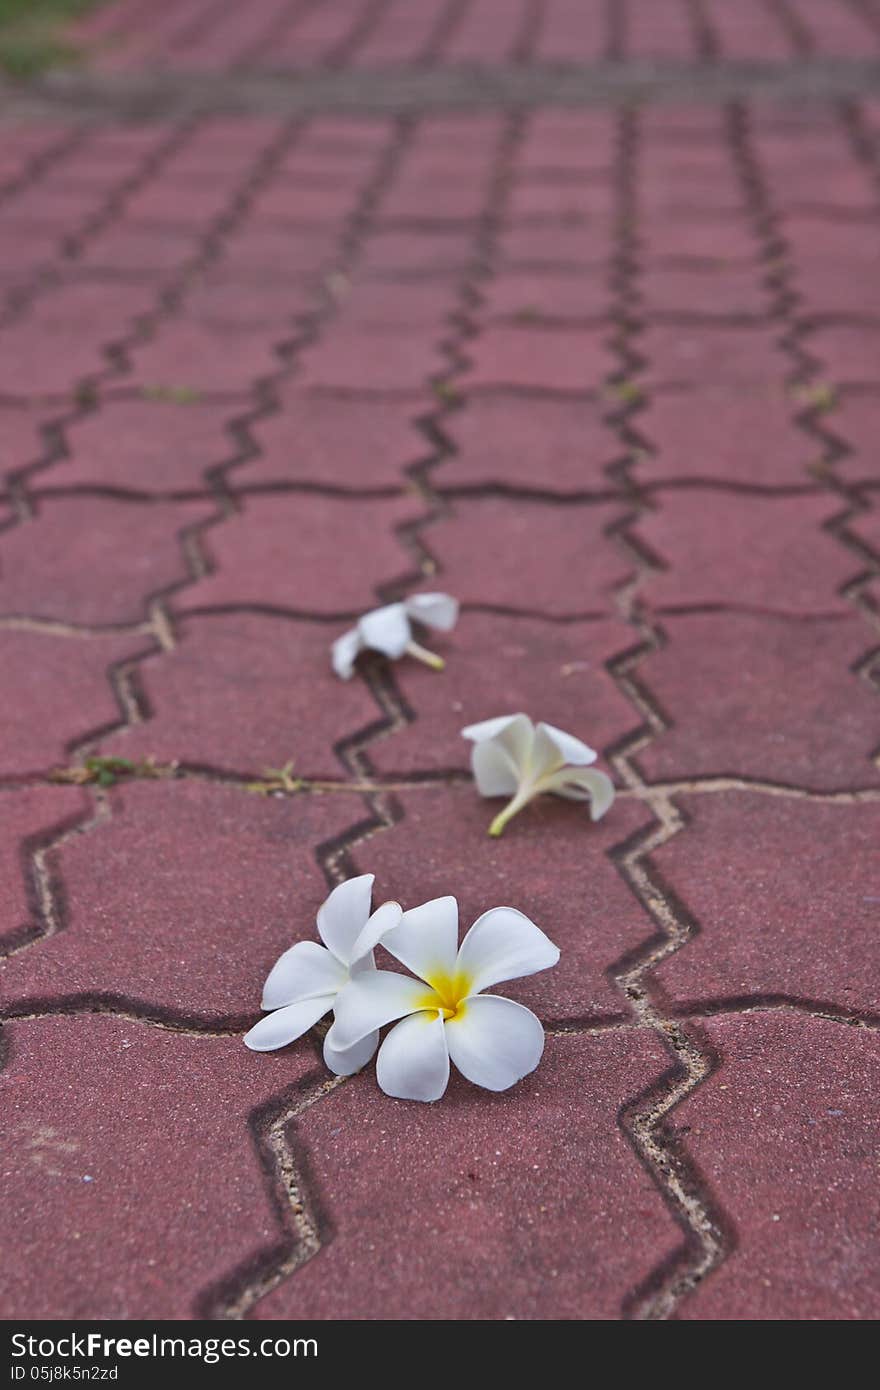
(304, 982)
(516, 758)
(389, 630)
(493, 1041)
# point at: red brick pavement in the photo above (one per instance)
(612, 380)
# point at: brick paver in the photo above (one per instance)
(609, 375)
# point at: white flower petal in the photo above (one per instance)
(344, 653)
(495, 772)
(413, 1063)
(426, 939)
(302, 972)
(383, 920)
(371, 1000)
(285, 1025)
(503, 945)
(517, 727)
(348, 1062)
(386, 630)
(552, 746)
(494, 1042)
(343, 915)
(584, 784)
(439, 611)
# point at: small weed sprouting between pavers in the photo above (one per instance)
(627, 392)
(277, 779)
(106, 772)
(174, 395)
(822, 396)
(447, 392)
(85, 395)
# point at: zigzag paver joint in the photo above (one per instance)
(599, 374)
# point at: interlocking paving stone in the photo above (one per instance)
(58, 693)
(785, 894)
(543, 358)
(267, 251)
(335, 442)
(545, 557)
(274, 554)
(191, 355)
(865, 527)
(829, 289)
(179, 201)
(787, 1130)
(838, 29)
(848, 352)
(425, 252)
(32, 818)
(555, 671)
(800, 186)
(418, 197)
(661, 31)
(145, 445)
(41, 205)
(581, 139)
(230, 304)
(21, 440)
(566, 202)
(732, 355)
(759, 696)
(242, 692)
(49, 359)
(499, 437)
(112, 1125)
(758, 552)
(95, 560)
(538, 1182)
(288, 201)
(94, 306)
(703, 289)
(723, 241)
(855, 421)
(136, 249)
(551, 862)
(817, 237)
(400, 304)
(360, 359)
(729, 435)
(585, 246)
(529, 296)
(751, 31)
(219, 142)
(182, 901)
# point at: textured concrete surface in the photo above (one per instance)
(608, 373)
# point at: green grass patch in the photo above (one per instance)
(33, 34)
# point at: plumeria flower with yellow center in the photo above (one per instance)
(389, 630)
(513, 757)
(445, 1015)
(304, 982)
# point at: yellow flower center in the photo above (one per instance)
(447, 994)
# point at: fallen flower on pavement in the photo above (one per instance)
(304, 982)
(389, 630)
(513, 757)
(493, 1041)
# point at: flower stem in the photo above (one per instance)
(510, 810)
(429, 658)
